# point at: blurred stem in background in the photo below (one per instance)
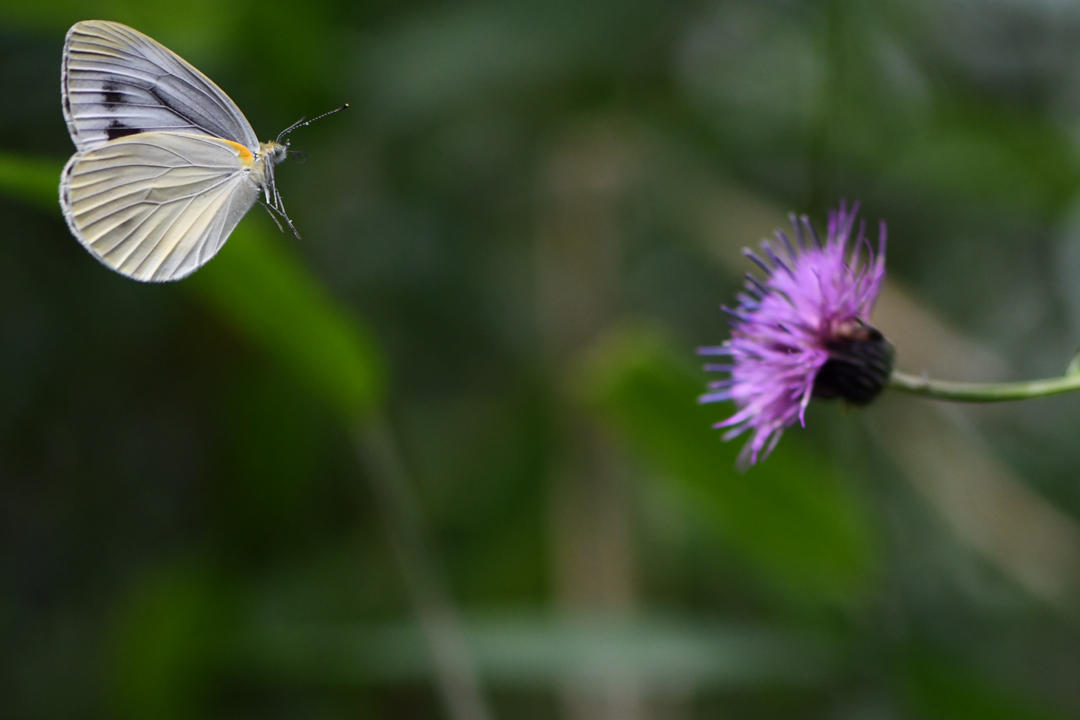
(440, 621)
(582, 187)
(272, 298)
(821, 163)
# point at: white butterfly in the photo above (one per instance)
(166, 164)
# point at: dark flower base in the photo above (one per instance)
(858, 367)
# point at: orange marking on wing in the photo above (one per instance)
(246, 158)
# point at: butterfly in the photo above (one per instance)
(166, 165)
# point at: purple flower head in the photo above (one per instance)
(802, 332)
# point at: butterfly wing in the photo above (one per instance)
(157, 206)
(118, 82)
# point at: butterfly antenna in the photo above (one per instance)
(303, 122)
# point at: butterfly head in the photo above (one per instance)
(274, 152)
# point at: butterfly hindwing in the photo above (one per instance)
(157, 206)
(119, 82)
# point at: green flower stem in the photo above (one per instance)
(983, 392)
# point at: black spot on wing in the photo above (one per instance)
(118, 129)
(65, 185)
(112, 94)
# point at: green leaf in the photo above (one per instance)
(789, 515)
(267, 294)
(941, 688)
(172, 635)
(992, 152)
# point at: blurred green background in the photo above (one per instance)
(442, 458)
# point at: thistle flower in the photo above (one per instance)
(802, 332)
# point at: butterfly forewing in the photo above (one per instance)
(157, 206)
(118, 82)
